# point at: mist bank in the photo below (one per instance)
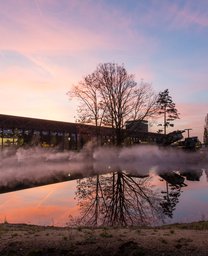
(33, 166)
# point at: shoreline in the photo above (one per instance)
(174, 239)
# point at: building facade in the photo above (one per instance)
(137, 125)
(24, 131)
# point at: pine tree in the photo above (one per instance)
(167, 109)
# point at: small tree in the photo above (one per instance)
(167, 109)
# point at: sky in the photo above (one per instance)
(47, 46)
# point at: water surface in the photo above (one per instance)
(114, 198)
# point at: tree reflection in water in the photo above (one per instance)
(118, 199)
(174, 182)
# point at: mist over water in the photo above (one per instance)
(39, 164)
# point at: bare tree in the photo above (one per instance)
(90, 109)
(146, 102)
(124, 99)
(110, 96)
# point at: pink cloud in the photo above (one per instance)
(42, 30)
(144, 72)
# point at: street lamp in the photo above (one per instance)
(188, 129)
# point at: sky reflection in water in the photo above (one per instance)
(54, 204)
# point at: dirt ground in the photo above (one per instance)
(30, 240)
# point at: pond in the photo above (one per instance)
(134, 187)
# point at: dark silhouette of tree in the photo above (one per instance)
(91, 200)
(90, 109)
(110, 96)
(205, 136)
(167, 109)
(192, 174)
(171, 199)
(117, 199)
(174, 182)
(131, 201)
(124, 99)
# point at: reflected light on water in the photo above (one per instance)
(46, 205)
(53, 204)
(193, 203)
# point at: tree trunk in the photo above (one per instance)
(119, 137)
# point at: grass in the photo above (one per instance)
(181, 242)
(105, 234)
(57, 241)
(79, 229)
(163, 241)
(184, 240)
(14, 235)
(34, 253)
(200, 225)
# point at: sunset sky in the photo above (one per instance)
(46, 46)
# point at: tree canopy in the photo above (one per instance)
(110, 96)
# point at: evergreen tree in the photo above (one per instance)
(167, 109)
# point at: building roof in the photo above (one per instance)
(28, 123)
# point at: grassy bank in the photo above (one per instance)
(31, 240)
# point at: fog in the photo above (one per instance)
(35, 164)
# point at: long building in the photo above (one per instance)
(16, 130)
